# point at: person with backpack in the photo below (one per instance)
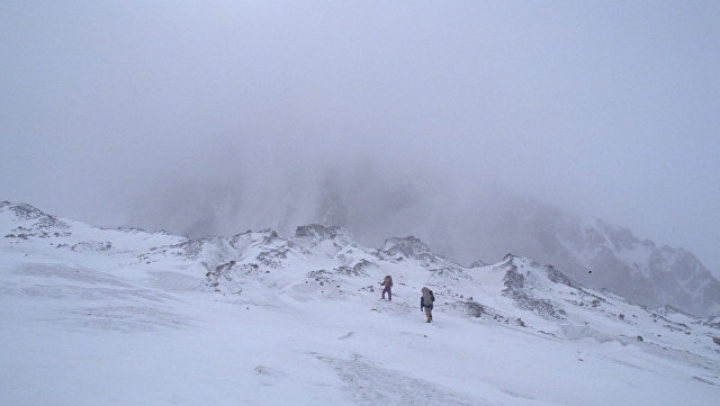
(387, 282)
(426, 303)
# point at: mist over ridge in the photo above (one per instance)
(481, 222)
(387, 118)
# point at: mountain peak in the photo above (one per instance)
(28, 212)
(411, 247)
(320, 232)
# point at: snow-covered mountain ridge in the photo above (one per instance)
(590, 251)
(130, 281)
(605, 256)
(338, 267)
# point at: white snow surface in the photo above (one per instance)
(90, 316)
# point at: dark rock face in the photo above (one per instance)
(410, 247)
(320, 232)
(515, 288)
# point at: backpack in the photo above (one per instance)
(388, 281)
(428, 297)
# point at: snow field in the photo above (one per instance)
(124, 327)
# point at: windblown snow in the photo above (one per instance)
(94, 316)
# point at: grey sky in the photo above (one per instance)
(112, 111)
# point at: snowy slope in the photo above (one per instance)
(94, 316)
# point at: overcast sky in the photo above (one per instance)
(110, 111)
